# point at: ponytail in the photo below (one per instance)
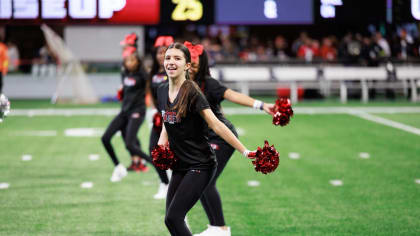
(188, 94)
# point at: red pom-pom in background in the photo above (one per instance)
(157, 122)
(282, 112)
(266, 159)
(163, 157)
(281, 119)
(120, 94)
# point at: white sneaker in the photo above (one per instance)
(169, 173)
(119, 173)
(163, 190)
(186, 222)
(214, 231)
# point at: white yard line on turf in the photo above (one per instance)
(86, 185)
(336, 182)
(4, 185)
(147, 183)
(229, 111)
(253, 183)
(93, 157)
(362, 112)
(387, 122)
(84, 132)
(364, 155)
(26, 157)
(40, 133)
(64, 112)
(294, 155)
(328, 110)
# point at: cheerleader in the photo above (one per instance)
(129, 44)
(4, 62)
(186, 115)
(131, 116)
(157, 77)
(215, 93)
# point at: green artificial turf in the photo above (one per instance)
(379, 195)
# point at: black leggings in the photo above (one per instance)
(185, 188)
(210, 199)
(129, 126)
(154, 138)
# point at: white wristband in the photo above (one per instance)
(246, 153)
(258, 105)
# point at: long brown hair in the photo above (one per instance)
(189, 90)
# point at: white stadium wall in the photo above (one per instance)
(100, 43)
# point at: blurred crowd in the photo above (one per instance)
(352, 48)
(233, 45)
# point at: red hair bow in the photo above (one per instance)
(195, 50)
(164, 41)
(130, 39)
(128, 51)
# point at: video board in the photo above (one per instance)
(252, 12)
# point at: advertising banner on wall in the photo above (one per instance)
(80, 11)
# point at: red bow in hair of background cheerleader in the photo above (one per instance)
(128, 51)
(195, 50)
(130, 39)
(164, 41)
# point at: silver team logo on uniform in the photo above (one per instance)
(169, 117)
(129, 81)
(158, 78)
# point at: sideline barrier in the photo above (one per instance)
(246, 78)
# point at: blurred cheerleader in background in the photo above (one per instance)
(156, 78)
(215, 93)
(131, 116)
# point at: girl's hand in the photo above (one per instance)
(163, 144)
(249, 154)
(269, 108)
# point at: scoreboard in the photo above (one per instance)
(367, 11)
(236, 12)
(258, 12)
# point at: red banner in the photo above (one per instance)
(138, 11)
(80, 11)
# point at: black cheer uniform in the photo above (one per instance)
(155, 82)
(212, 204)
(196, 165)
(131, 116)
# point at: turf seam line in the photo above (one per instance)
(387, 122)
(229, 111)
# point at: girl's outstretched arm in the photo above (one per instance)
(224, 132)
(244, 100)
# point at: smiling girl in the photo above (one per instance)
(186, 115)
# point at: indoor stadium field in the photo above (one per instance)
(344, 170)
(99, 98)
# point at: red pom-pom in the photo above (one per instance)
(282, 111)
(163, 157)
(157, 122)
(281, 119)
(120, 94)
(266, 159)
